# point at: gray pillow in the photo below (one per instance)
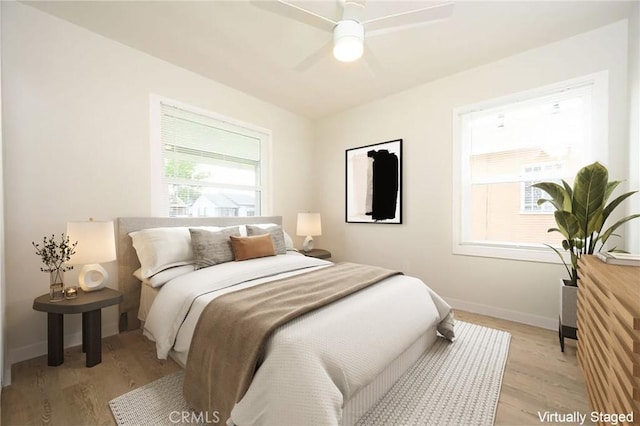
(212, 247)
(277, 235)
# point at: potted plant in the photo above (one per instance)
(580, 215)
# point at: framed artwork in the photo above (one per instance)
(374, 183)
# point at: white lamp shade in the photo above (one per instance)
(309, 224)
(96, 242)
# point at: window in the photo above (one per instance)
(504, 146)
(207, 165)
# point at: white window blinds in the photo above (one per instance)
(210, 167)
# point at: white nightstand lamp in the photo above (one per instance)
(309, 225)
(96, 244)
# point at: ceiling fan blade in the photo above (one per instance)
(315, 57)
(295, 12)
(408, 19)
(371, 62)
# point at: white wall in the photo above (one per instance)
(77, 145)
(422, 116)
(5, 371)
(633, 233)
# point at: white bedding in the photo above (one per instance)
(315, 363)
(147, 297)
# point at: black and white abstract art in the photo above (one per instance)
(374, 183)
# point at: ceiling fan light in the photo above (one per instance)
(348, 41)
(348, 49)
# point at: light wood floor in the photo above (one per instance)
(538, 378)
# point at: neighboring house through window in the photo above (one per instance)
(504, 146)
(533, 173)
(206, 164)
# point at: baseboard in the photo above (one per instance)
(492, 311)
(40, 348)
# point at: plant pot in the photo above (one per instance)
(568, 305)
(568, 319)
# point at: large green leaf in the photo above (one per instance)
(612, 205)
(557, 193)
(561, 258)
(594, 224)
(606, 234)
(569, 197)
(568, 224)
(611, 186)
(588, 196)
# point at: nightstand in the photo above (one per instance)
(317, 253)
(90, 305)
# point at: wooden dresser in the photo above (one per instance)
(609, 335)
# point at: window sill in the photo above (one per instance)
(503, 251)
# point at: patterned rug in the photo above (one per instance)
(451, 384)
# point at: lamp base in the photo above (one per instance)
(93, 277)
(307, 245)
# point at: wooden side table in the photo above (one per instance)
(90, 305)
(317, 253)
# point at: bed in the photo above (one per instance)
(328, 366)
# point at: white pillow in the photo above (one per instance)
(165, 276)
(162, 248)
(288, 241)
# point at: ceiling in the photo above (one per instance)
(256, 51)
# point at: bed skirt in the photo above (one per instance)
(365, 399)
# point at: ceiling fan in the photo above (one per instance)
(351, 27)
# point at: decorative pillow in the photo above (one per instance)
(276, 233)
(245, 248)
(161, 278)
(212, 248)
(162, 248)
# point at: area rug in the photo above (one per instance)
(452, 383)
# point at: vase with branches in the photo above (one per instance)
(54, 254)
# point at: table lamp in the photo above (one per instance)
(309, 225)
(96, 244)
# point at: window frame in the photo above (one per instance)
(159, 189)
(461, 166)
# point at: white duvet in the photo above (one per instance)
(315, 363)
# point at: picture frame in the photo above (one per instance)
(373, 176)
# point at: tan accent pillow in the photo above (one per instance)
(276, 233)
(245, 248)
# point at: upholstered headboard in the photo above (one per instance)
(128, 259)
